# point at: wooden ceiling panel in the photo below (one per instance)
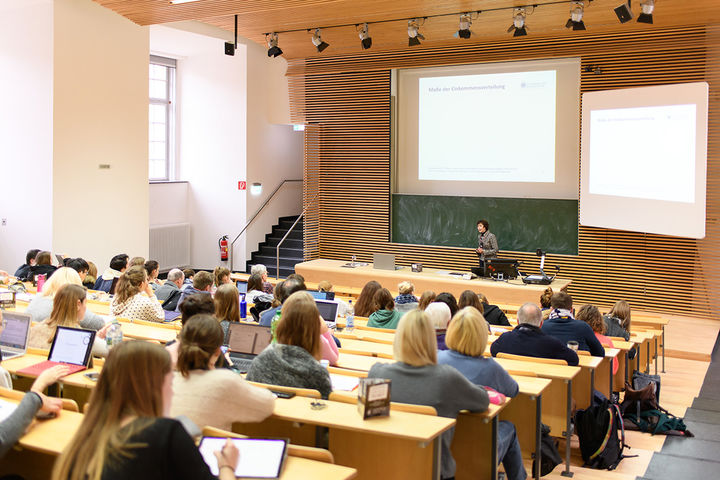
(257, 17)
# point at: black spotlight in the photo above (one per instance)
(647, 7)
(624, 13)
(364, 35)
(577, 9)
(414, 36)
(464, 27)
(518, 25)
(318, 41)
(273, 49)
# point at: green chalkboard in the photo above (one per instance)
(520, 224)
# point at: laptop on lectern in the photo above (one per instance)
(384, 261)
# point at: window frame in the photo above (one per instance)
(170, 114)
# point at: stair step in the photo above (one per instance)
(289, 242)
(664, 466)
(284, 272)
(706, 403)
(703, 431)
(296, 233)
(284, 261)
(268, 250)
(286, 224)
(703, 416)
(691, 448)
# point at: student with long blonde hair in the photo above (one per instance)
(124, 433)
(418, 379)
(617, 322)
(69, 307)
(227, 307)
(134, 298)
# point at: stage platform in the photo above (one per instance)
(512, 292)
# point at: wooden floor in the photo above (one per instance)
(681, 383)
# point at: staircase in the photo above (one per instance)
(291, 251)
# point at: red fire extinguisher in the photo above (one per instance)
(223, 244)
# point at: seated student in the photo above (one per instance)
(68, 309)
(255, 291)
(449, 300)
(407, 295)
(43, 266)
(269, 318)
(152, 268)
(261, 270)
(169, 293)
(202, 283)
(468, 298)
(528, 339)
(492, 313)
(418, 379)
(210, 396)
(343, 307)
(617, 322)
(364, 304)
(294, 360)
(41, 306)
(14, 426)
(137, 262)
(23, 269)
(227, 307)
(467, 338)
(125, 433)
(562, 325)
(109, 278)
(266, 316)
(426, 299)
(134, 299)
(221, 276)
(189, 276)
(439, 315)
(80, 266)
(384, 314)
(592, 316)
(545, 302)
(193, 305)
(91, 276)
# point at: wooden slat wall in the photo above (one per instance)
(348, 98)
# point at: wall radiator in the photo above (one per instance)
(170, 245)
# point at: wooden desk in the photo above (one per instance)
(470, 441)
(372, 348)
(655, 322)
(148, 332)
(513, 292)
(388, 447)
(361, 363)
(368, 335)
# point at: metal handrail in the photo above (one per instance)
(277, 251)
(232, 244)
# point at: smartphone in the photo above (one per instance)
(92, 376)
(283, 394)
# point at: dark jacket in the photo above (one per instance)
(613, 327)
(39, 270)
(529, 340)
(567, 328)
(190, 290)
(169, 295)
(494, 315)
(22, 271)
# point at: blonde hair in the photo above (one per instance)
(137, 261)
(468, 333)
(227, 303)
(129, 283)
(405, 288)
(300, 324)
(325, 286)
(620, 310)
(62, 276)
(130, 385)
(426, 299)
(219, 273)
(65, 308)
(200, 338)
(439, 315)
(415, 342)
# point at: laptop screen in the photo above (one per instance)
(15, 333)
(72, 345)
(328, 310)
(242, 287)
(248, 339)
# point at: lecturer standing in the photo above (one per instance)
(487, 243)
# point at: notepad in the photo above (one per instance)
(259, 457)
(343, 382)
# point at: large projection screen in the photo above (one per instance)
(643, 159)
(507, 129)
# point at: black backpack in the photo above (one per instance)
(550, 457)
(602, 435)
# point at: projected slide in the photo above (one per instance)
(646, 152)
(491, 127)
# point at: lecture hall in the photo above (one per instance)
(335, 240)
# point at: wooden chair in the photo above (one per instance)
(366, 353)
(552, 361)
(617, 339)
(169, 326)
(300, 392)
(374, 329)
(312, 453)
(583, 353)
(67, 404)
(346, 397)
(521, 373)
(349, 373)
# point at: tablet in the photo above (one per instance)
(259, 457)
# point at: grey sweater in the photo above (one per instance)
(290, 366)
(41, 307)
(13, 427)
(439, 386)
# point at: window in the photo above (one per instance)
(162, 118)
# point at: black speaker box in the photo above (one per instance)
(229, 48)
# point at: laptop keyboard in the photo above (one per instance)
(241, 364)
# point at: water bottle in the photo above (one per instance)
(114, 335)
(243, 307)
(350, 318)
(40, 282)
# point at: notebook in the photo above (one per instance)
(71, 347)
(328, 310)
(14, 337)
(245, 342)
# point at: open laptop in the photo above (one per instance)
(328, 310)
(245, 342)
(321, 295)
(71, 347)
(241, 286)
(14, 337)
(384, 261)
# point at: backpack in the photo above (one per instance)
(602, 435)
(659, 421)
(549, 455)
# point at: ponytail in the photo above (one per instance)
(200, 338)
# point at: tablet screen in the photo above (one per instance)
(259, 457)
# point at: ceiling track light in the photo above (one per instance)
(464, 26)
(647, 7)
(577, 10)
(318, 41)
(272, 42)
(364, 34)
(518, 26)
(414, 35)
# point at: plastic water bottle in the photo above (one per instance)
(40, 282)
(114, 334)
(350, 318)
(243, 307)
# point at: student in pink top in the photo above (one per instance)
(592, 316)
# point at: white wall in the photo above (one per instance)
(168, 203)
(26, 64)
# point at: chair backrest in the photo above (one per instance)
(584, 353)
(374, 329)
(169, 326)
(349, 373)
(617, 339)
(300, 392)
(552, 361)
(521, 373)
(347, 397)
(366, 353)
(70, 405)
(67, 404)
(312, 453)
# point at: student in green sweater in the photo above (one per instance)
(384, 314)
